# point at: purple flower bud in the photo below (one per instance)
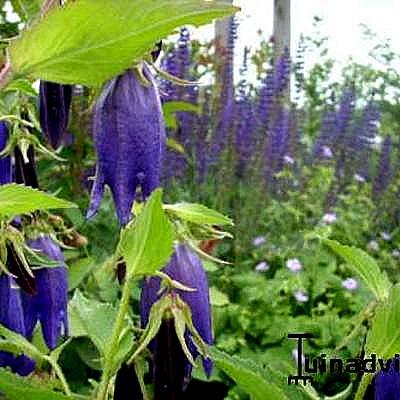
(294, 264)
(12, 317)
(186, 268)
(387, 384)
(49, 305)
(5, 162)
(55, 104)
(25, 173)
(262, 266)
(126, 381)
(128, 129)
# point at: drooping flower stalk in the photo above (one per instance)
(129, 135)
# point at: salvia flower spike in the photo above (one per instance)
(129, 136)
(186, 268)
(387, 384)
(54, 109)
(49, 305)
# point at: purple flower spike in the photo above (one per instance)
(129, 135)
(55, 104)
(387, 384)
(186, 268)
(49, 305)
(12, 317)
(5, 162)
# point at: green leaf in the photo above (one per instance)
(90, 41)
(365, 266)
(17, 344)
(175, 106)
(78, 271)
(175, 145)
(249, 376)
(20, 199)
(147, 243)
(198, 214)
(13, 387)
(218, 298)
(93, 319)
(383, 339)
(26, 9)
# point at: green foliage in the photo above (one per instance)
(107, 36)
(19, 199)
(17, 388)
(365, 266)
(198, 214)
(384, 337)
(147, 243)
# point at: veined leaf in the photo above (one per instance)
(249, 376)
(170, 107)
(90, 41)
(147, 243)
(19, 199)
(198, 214)
(13, 387)
(365, 266)
(383, 339)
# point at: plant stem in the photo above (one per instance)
(362, 387)
(59, 374)
(5, 74)
(112, 348)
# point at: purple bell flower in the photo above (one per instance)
(387, 384)
(54, 107)
(5, 162)
(49, 305)
(12, 317)
(186, 268)
(129, 135)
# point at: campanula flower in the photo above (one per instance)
(329, 218)
(129, 135)
(300, 296)
(49, 305)
(12, 317)
(387, 384)
(186, 268)
(54, 108)
(259, 241)
(5, 162)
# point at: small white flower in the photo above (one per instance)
(396, 253)
(329, 218)
(259, 241)
(294, 264)
(350, 284)
(327, 152)
(373, 245)
(386, 236)
(262, 266)
(359, 178)
(288, 160)
(301, 296)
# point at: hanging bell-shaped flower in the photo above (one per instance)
(54, 109)
(5, 162)
(129, 135)
(170, 362)
(49, 305)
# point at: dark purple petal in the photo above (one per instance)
(387, 384)
(186, 268)
(127, 384)
(5, 162)
(25, 173)
(128, 129)
(50, 303)
(54, 108)
(11, 316)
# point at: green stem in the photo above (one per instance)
(59, 374)
(112, 348)
(363, 386)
